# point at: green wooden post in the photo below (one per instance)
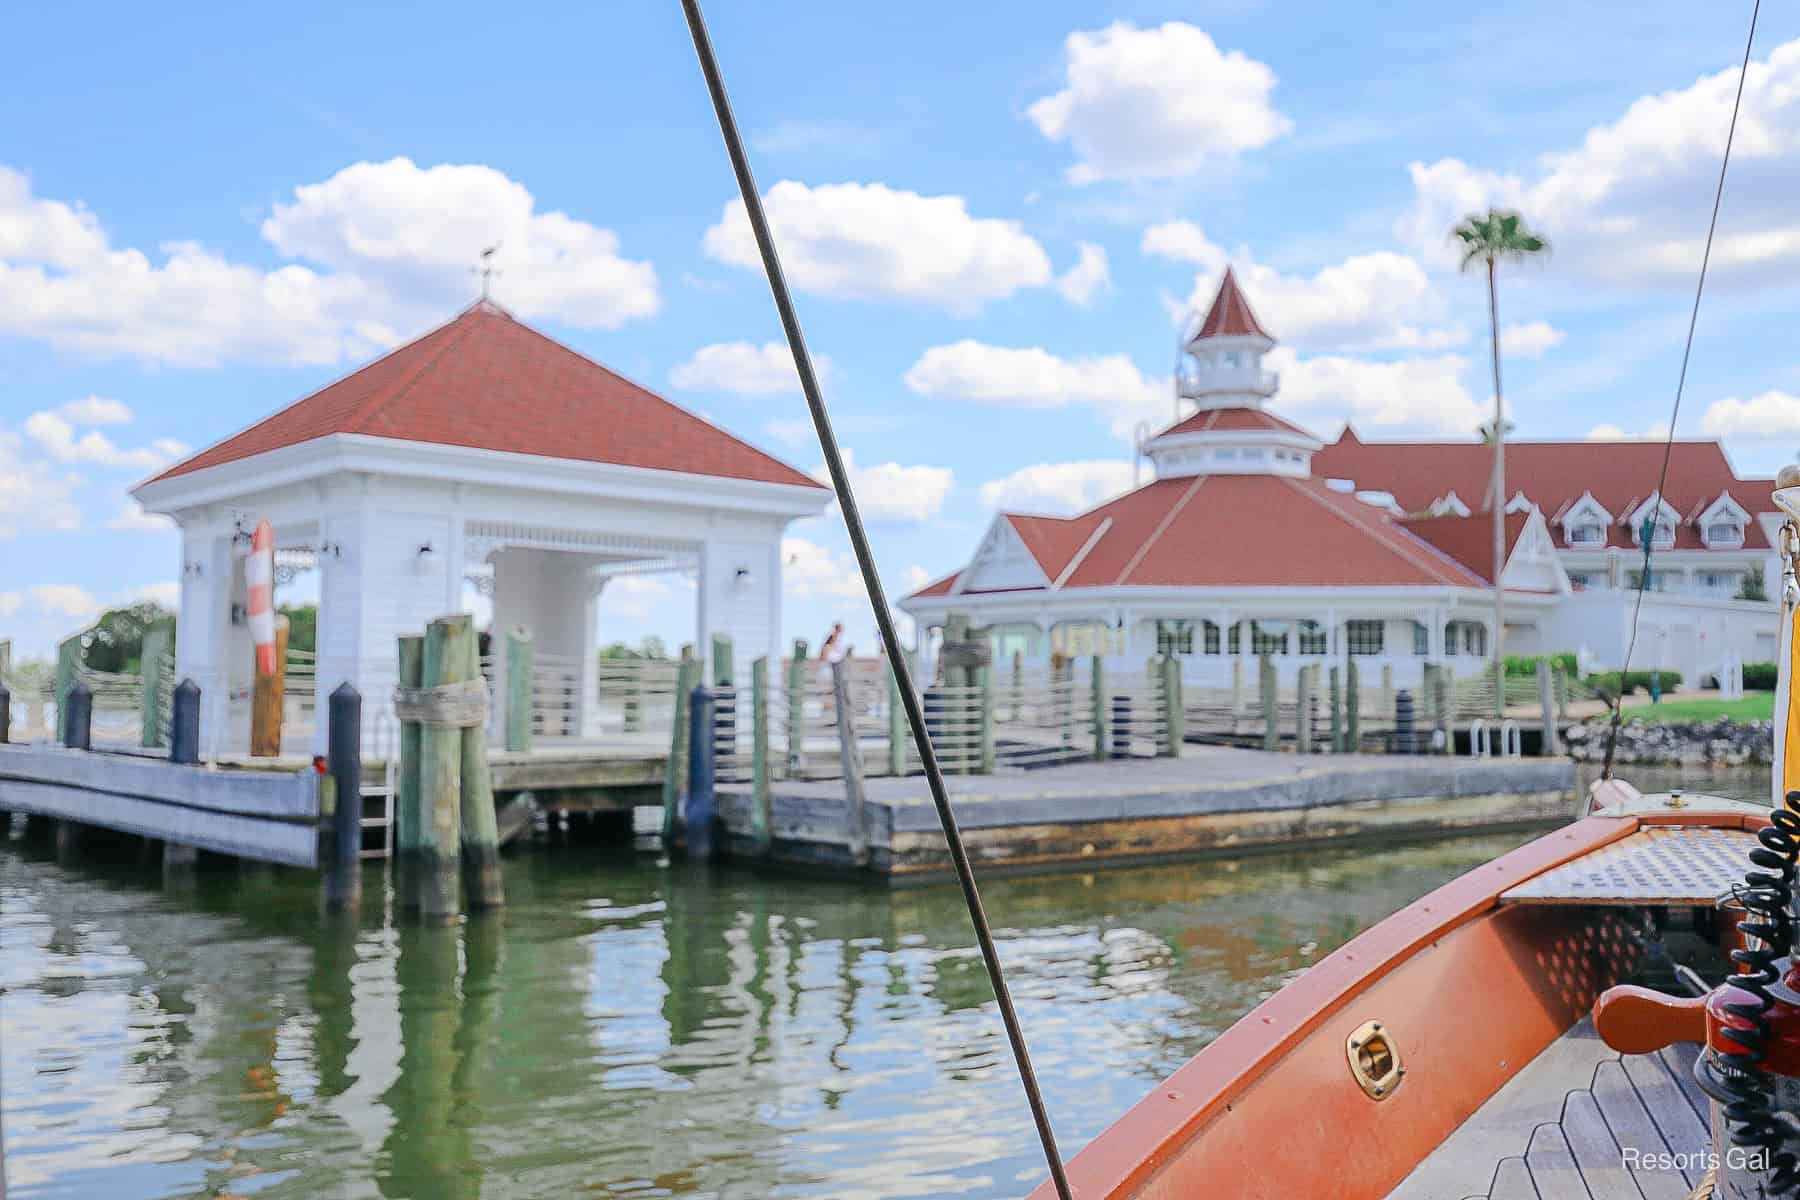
(447, 657)
(1446, 715)
(687, 678)
(518, 689)
(896, 726)
(1271, 727)
(1352, 707)
(1387, 691)
(150, 686)
(1337, 711)
(1174, 719)
(480, 824)
(1018, 684)
(985, 680)
(956, 629)
(408, 817)
(759, 755)
(796, 711)
(1100, 715)
(722, 668)
(68, 661)
(1303, 739)
(1237, 693)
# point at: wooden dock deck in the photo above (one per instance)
(1211, 799)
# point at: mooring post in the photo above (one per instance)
(68, 662)
(343, 759)
(760, 829)
(1174, 719)
(1352, 707)
(1547, 703)
(184, 723)
(518, 689)
(1337, 711)
(480, 823)
(1446, 717)
(687, 678)
(150, 686)
(796, 709)
(896, 724)
(984, 678)
(698, 808)
(851, 750)
(1387, 689)
(78, 717)
(409, 816)
(5, 723)
(439, 852)
(722, 667)
(1303, 711)
(1237, 693)
(1268, 683)
(1098, 675)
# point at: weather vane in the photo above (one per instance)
(486, 270)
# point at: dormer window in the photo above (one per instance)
(1588, 533)
(1724, 533)
(1662, 534)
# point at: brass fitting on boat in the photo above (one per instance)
(1374, 1060)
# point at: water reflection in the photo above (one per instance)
(620, 1030)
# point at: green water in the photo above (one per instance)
(624, 1030)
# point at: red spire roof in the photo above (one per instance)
(486, 381)
(1230, 314)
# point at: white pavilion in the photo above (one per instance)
(484, 453)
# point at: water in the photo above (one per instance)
(624, 1030)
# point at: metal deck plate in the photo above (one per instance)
(1680, 865)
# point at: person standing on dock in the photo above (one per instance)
(832, 650)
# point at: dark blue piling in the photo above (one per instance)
(343, 870)
(700, 805)
(78, 717)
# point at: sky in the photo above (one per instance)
(996, 219)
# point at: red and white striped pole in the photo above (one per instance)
(259, 576)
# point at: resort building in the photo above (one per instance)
(1257, 537)
(481, 457)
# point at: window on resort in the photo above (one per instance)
(1266, 643)
(1721, 581)
(1581, 581)
(1659, 581)
(1174, 637)
(1313, 638)
(1662, 533)
(1724, 533)
(1465, 637)
(1209, 634)
(1232, 639)
(1588, 533)
(1421, 639)
(1364, 637)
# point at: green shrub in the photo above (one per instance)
(1760, 677)
(1607, 682)
(1526, 664)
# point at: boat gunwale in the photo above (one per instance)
(1128, 1154)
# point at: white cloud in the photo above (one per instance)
(1066, 487)
(1606, 431)
(65, 600)
(395, 242)
(131, 517)
(1032, 377)
(57, 437)
(1771, 414)
(33, 495)
(1414, 395)
(95, 410)
(1627, 205)
(166, 594)
(914, 578)
(811, 570)
(1082, 283)
(893, 492)
(1157, 103)
(744, 368)
(867, 241)
(1375, 301)
(1533, 339)
(637, 597)
(10, 603)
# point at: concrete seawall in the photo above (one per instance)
(1213, 800)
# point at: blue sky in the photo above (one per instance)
(995, 216)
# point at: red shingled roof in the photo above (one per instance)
(1469, 540)
(489, 382)
(1553, 475)
(1236, 530)
(1230, 314)
(1232, 420)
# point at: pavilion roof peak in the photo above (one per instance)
(1230, 314)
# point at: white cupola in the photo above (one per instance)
(1222, 375)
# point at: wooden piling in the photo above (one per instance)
(687, 678)
(482, 882)
(1446, 717)
(68, 663)
(984, 679)
(78, 717)
(409, 817)
(1098, 673)
(343, 866)
(796, 710)
(722, 668)
(851, 750)
(1237, 693)
(1303, 711)
(760, 829)
(184, 723)
(1337, 711)
(699, 805)
(1547, 707)
(5, 721)
(436, 858)
(518, 689)
(1387, 691)
(1174, 718)
(267, 696)
(150, 686)
(1266, 678)
(1352, 707)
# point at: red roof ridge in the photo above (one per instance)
(1402, 546)
(1162, 525)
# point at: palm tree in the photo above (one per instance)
(1501, 234)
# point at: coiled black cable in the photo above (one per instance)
(1744, 1089)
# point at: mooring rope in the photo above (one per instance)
(865, 561)
(461, 705)
(1662, 480)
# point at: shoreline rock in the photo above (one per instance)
(1719, 742)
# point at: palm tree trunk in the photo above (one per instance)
(1499, 500)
